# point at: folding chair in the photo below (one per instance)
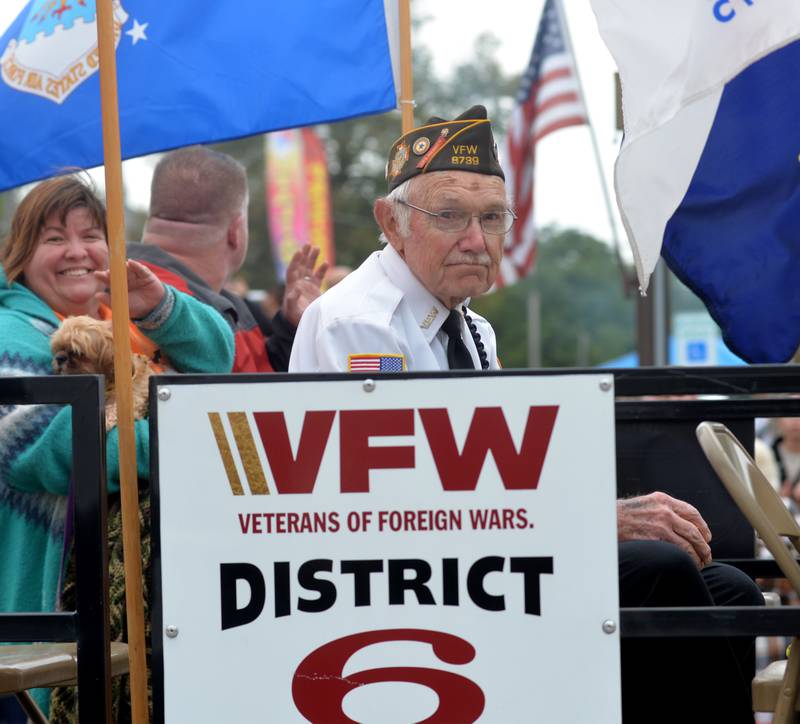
(775, 688)
(30, 666)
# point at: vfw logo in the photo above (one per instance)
(293, 473)
(56, 50)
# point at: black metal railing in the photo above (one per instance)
(647, 400)
(88, 624)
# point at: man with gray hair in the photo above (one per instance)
(196, 239)
(444, 222)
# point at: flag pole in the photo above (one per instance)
(406, 71)
(129, 497)
(612, 223)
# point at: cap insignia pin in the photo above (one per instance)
(399, 160)
(421, 145)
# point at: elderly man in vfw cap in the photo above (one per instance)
(444, 222)
(445, 219)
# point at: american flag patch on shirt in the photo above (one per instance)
(376, 362)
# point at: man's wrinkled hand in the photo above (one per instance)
(658, 516)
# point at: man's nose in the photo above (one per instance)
(473, 238)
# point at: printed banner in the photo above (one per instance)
(298, 195)
(437, 548)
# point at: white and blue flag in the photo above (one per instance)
(188, 72)
(708, 175)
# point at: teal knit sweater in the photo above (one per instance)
(36, 440)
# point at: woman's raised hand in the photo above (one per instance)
(145, 290)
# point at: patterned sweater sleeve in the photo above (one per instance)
(193, 335)
(39, 457)
(36, 440)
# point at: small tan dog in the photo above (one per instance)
(84, 346)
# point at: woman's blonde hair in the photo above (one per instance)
(58, 195)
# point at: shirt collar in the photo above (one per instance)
(426, 309)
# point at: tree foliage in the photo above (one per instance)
(585, 317)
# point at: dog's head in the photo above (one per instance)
(83, 346)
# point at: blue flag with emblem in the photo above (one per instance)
(735, 238)
(188, 72)
(709, 173)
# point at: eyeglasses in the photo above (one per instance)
(457, 220)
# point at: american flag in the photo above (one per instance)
(375, 363)
(549, 99)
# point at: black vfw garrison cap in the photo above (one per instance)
(463, 144)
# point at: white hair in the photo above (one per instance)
(402, 213)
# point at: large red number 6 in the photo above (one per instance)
(319, 687)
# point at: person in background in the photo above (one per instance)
(237, 285)
(786, 448)
(335, 275)
(196, 237)
(768, 464)
(54, 265)
(254, 300)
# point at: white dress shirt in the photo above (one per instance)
(381, 313)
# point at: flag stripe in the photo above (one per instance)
(553, 116)
(567, 96)
(376, 362)
(558, 125)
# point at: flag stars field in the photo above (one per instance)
(137, 32)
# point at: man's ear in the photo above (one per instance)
(384, 215)
(236, 232)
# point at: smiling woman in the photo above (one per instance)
(53, 266)
(57, 242)
(61, 270)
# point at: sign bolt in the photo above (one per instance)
(609, 626)
(164, 394)
(172, 631)
(605, 385)
(368, 385)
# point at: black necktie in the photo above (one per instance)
(458, 356)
